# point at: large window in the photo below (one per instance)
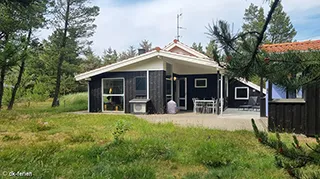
(200, 82)
(241, 93)
(141, 87)
(113, 94)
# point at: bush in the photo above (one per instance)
(121, 128)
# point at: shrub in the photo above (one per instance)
(294, 158)
(11, 138)
(121, 128)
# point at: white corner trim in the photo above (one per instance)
(235, 93)
(200, 79)
(252, 85)
(185, 48)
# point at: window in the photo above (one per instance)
(141, 86)
(200, 82)
(241, 93)
(113, 94)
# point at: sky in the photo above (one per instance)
(122, 23)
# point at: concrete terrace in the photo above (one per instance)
(232, 119)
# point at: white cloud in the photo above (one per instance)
(120, 26)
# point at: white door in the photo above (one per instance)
(182, 93)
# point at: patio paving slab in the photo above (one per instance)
(231, 120)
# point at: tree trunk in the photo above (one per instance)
(3, 72)
(55, 101)
(21, 71)
(2, 75)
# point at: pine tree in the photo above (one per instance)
(212, 50)
(281, 29)
(146, 45)
(131, 52)
(197, 47)
(12, 22)
(253, 18)
(91, 61)
(71, 17)
(34, 19)
(109, 56)
(194, 46)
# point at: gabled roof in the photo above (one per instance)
(252, 85)
(177, 44)
(157, 52)
(293, 46)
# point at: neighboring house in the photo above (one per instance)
(299, 112)
(278, 92)
(176, 72)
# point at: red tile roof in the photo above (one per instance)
(294, 46)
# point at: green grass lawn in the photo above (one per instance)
(51, 143)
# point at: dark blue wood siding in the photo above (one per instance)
(232, 102)
(201, 93)
(156, 89)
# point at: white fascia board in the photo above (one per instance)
(252, 85)
(116, 65)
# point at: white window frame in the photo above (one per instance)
(106, 95)
(235, 93)
(198, 79)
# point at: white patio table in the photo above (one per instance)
(204, 104)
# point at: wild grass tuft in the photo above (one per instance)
(11, 138)
(79, 138)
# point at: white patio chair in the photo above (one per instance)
(197, 106)
(210, 107)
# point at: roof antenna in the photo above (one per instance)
(179, 15)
